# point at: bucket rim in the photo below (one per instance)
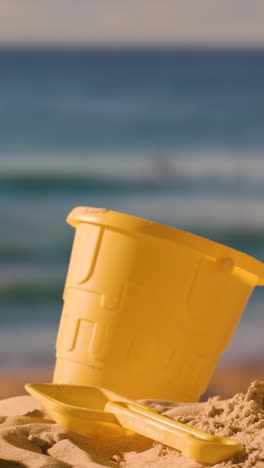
(129, 223)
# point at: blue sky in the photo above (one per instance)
(132, 22)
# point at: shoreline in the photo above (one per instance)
(227, 379)
(12, 382)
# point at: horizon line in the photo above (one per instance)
(188, 46)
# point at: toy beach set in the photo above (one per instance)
(148, 310)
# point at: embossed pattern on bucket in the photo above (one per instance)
(148, 309)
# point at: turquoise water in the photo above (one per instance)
(174, 136)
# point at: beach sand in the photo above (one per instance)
(28, 438)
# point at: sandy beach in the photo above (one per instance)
(29, 438)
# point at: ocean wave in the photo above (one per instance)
(46, 248)
(31, 278)
(126, 106)
(37, 233)
(20, 282)
(200, 212)
(117, 170)
(33, 345)
(29, 346)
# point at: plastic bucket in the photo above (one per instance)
(148, 309)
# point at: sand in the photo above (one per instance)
(28, 438)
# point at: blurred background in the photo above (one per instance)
(151, 108)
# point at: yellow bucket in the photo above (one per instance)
(148, 309)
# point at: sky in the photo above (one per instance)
(122, 22)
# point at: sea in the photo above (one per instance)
(172, 135)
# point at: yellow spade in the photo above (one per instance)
(94, 411)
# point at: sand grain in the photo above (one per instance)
(28, 438)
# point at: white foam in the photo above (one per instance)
(223, 166)
(221, 212)
(40, 220)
